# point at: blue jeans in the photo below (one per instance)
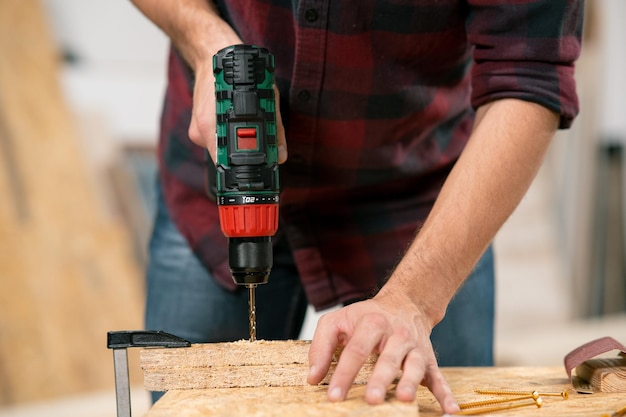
(183, 299)
(465, 335)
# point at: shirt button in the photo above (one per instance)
(304, 95)
(311, 15)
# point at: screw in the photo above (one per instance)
(538, 402)
(564, 394)
(534, 396)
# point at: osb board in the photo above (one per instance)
(269, 363)
(464, 381)
(311, 401)
(302, 401)
(67, 275)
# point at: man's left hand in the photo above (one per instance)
(392, 326)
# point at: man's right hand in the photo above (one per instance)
(198, 32)
(203, 123)
(202, 127)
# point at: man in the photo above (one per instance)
(400, 117)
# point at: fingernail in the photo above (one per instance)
(312, 371)
(453, 406)
(376, 394)
(409, 391)
(335, 394)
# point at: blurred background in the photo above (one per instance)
(81, 86)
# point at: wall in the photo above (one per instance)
(611, 79)
(119, 73)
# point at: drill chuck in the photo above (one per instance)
(250, 259)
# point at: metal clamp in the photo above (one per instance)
(120, 341)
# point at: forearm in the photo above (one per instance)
(198, 32)
(504, 153)
(194, 26)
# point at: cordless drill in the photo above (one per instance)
(247, 185)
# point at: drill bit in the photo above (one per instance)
(252, 310)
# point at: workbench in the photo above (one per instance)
(311, 400)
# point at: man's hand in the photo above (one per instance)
(198, 32)
(392, 326)
(202, 127)
(508, 142)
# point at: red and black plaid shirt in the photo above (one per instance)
(377, 99)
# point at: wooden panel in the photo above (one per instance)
(303, 401)
(604, 374)
(67, 275)
(311, 401)
(234, 364)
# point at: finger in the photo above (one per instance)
(387, 367)
(368, 333)
(438, 385)
(202, 129)
(323, 346)
(194, 133)
(412, 374)
(280, 130)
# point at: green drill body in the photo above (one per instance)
(247, 182)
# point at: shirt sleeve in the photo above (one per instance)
(526, 50)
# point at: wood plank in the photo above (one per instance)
(604, 374)
(67, 273)
(302, 401)
(311, 401)
(235, 364)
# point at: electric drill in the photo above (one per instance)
(247, 184)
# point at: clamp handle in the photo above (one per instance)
(120, 341)
(144, 338)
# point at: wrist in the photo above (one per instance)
(195, 28)
(198, 45)
(421, 279)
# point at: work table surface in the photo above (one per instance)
(311, 400)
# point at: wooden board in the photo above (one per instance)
(311, 401)
(234, 365)
(604, 374)
(302, 401)
(67, 272)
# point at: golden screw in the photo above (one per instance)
(533, 396)
(469, 412)
(564, 394)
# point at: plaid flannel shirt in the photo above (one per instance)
(378, 99)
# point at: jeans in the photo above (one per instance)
(465, 335)
(184, 300)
